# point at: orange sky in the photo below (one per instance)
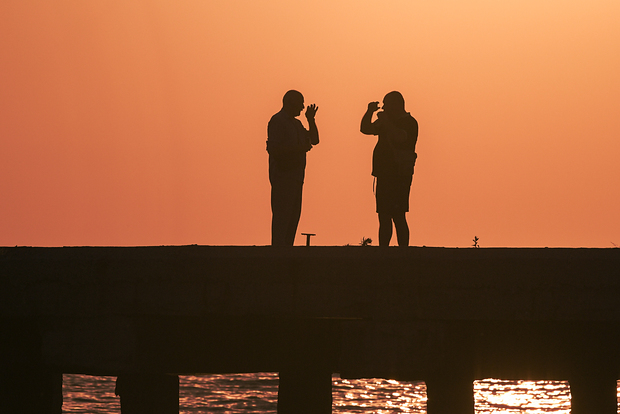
(144, 122)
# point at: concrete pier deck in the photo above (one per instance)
(443, 315)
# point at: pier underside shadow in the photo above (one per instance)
(444, 316)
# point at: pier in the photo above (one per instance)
(446, 316)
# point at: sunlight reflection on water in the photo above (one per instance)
(89, 394)
(258, 393)
(378, 395)
(532, 397)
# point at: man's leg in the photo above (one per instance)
(286, 210)
(402, 229)
(385, 229)
(279, 219)
(294, 213)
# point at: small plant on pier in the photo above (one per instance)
(476, 245)
(366, 241)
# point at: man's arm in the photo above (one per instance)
(314, 131)
(366, 127)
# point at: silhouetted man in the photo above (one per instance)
(287, 143)
(393, 160)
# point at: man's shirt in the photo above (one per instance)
(287, 144)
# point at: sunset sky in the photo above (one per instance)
(144, 122)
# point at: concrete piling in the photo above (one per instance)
(450, 394)
(148, 393)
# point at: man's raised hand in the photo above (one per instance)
(311, 111)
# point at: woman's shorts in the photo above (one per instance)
(392, 194)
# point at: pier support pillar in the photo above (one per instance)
(305, 391)
(594, 394)
(148, 393)
(27, 385)
(308, 355)
(31, 391)
(450, 395)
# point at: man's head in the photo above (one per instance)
(394, 103)
(293, 103)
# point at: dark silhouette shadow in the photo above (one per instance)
(287, 143)
(393, 160)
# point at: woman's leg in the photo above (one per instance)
(385, 229)
(402, 229)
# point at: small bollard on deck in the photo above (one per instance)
(308, 235)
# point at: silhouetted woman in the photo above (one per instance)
(393, 160)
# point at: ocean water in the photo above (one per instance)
(258, 393)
